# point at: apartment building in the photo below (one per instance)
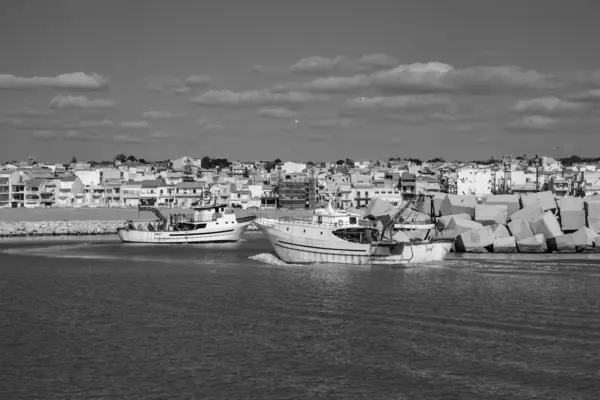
(39, 192)
(5, 191)
(69, 191)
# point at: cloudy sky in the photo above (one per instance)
(265, 79)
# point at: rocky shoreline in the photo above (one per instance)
(63, 228)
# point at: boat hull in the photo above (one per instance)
(231, 233)
(303, 249)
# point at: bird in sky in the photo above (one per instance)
(362, 98)
(296, 121)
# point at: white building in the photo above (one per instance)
(474, 181)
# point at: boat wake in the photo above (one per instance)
(271, 259)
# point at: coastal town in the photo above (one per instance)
(257, 185)
(524, 204)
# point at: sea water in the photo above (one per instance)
(97, 319)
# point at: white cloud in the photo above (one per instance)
(549, 105)
(153, 114)
(255, 98)
(339, 83)
(439, 77)
(436, 77)
(586, 96)
(214, 128)
(277, 112)
(75, 81)
(128, 138)
(533, 123)
(198, 80)
(81, 102)
(103, 123)
(316, 64)
(134, 124)
(323, 65)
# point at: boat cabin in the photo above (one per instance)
(337, 219)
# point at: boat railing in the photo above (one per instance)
(309, 221)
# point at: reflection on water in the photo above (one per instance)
(106, 320)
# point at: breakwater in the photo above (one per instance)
(64, 228)
(58, 228)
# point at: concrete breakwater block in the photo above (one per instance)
(511, 201)
(529, 213)
(505, 245)
(474, 239)
(442, 222)
(545, 199)
(594, 224)
(520, 229)
(500, 231)
(533, 244)
(463, 225)
(455, 204)
(438, 199)
(571, 220)
(487, 214)
(570, 204)
(572, 242)
(546, 224)
(592, 208)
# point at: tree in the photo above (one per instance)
(205, 162)
(246, 174)
(340, 162)
(277, 161)
(74, 160)
(437, 159)
(378, 163)
(142, 161)
(350, 162)
(131, 158)
(310, 164)
(121, 158)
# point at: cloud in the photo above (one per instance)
(533, 123)
(153, 114)
(31, 112)
(134, 124)
(178, 85)
(316, 65)
(586, 96)
(339, 83)
(277, 112)
(439, 77)
(436, 77)
(549, 106)
(255, 98)
(324, 65)
(103, 123)
(74, 81)
(69, 135)
(80, 102)
(198, 80)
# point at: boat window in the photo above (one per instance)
(353, 220)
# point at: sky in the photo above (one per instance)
(299, 80)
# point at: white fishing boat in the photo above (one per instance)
(340, 237)
(210, 223)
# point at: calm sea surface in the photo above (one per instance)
(103, 320)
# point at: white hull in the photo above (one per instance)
(313, 245)
(227, 233)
